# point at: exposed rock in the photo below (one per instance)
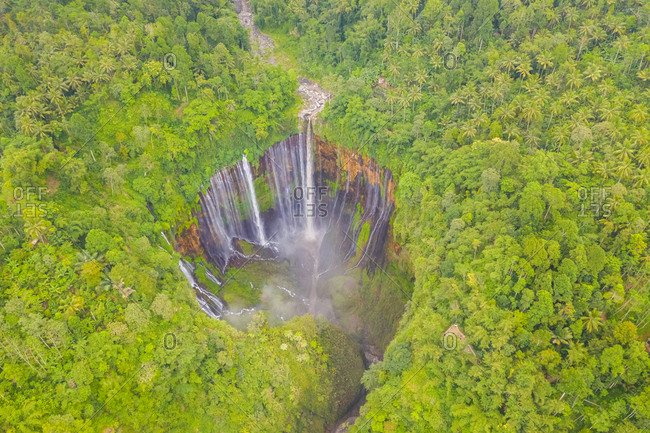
(189, 243)
(333, 161)
(371, 354)
(314, 98)
(262, 43)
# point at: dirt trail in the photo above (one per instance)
(313, 95)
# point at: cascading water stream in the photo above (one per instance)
(252, 197)
(310, 193)
(210, 303)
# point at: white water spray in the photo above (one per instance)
(252, 197)
(310, 211)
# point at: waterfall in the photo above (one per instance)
(230, 211)
(209, 302)
(310, 193)
(165, 237)
(252, 198)
(328, 211)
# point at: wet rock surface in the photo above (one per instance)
(314, 98)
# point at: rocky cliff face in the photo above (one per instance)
(343, 196)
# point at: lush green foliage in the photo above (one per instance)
(112, 116)
(520, 134)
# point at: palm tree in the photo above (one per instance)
(615, 25)
(555, 108)
(505, 112)
(27, 126)
(71, 305)
(36, 227)
(403, 101)
(593, 72)
(607, 111)
(57, 98)
(554, 80)
(509, 63)
(468, 130)
(421, 76)
(393, 71)
(603, 170)
(105, 284)
(492, 71)
(562, 337)
(561, 134)
(643, 156)
(593, 321)
(568, 98)
(624, 151)
(415, 95)
(73, 81)
(456, 98)
(544, 60)
(42, 128)
(436, 62)
(621, 44)
(606, 87)
(581, 155)
(640, 136)
(638, 114)
(625, 170)
(644, 74)
(576, 353)
(642, 179)
(84, 257)
(524, 68)
(570, 15)
(531, 139)
(512, 131)
(436, 45)
(574, 79)
(588, 30)
(414, 28)
(531, 111)
(391, 98)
